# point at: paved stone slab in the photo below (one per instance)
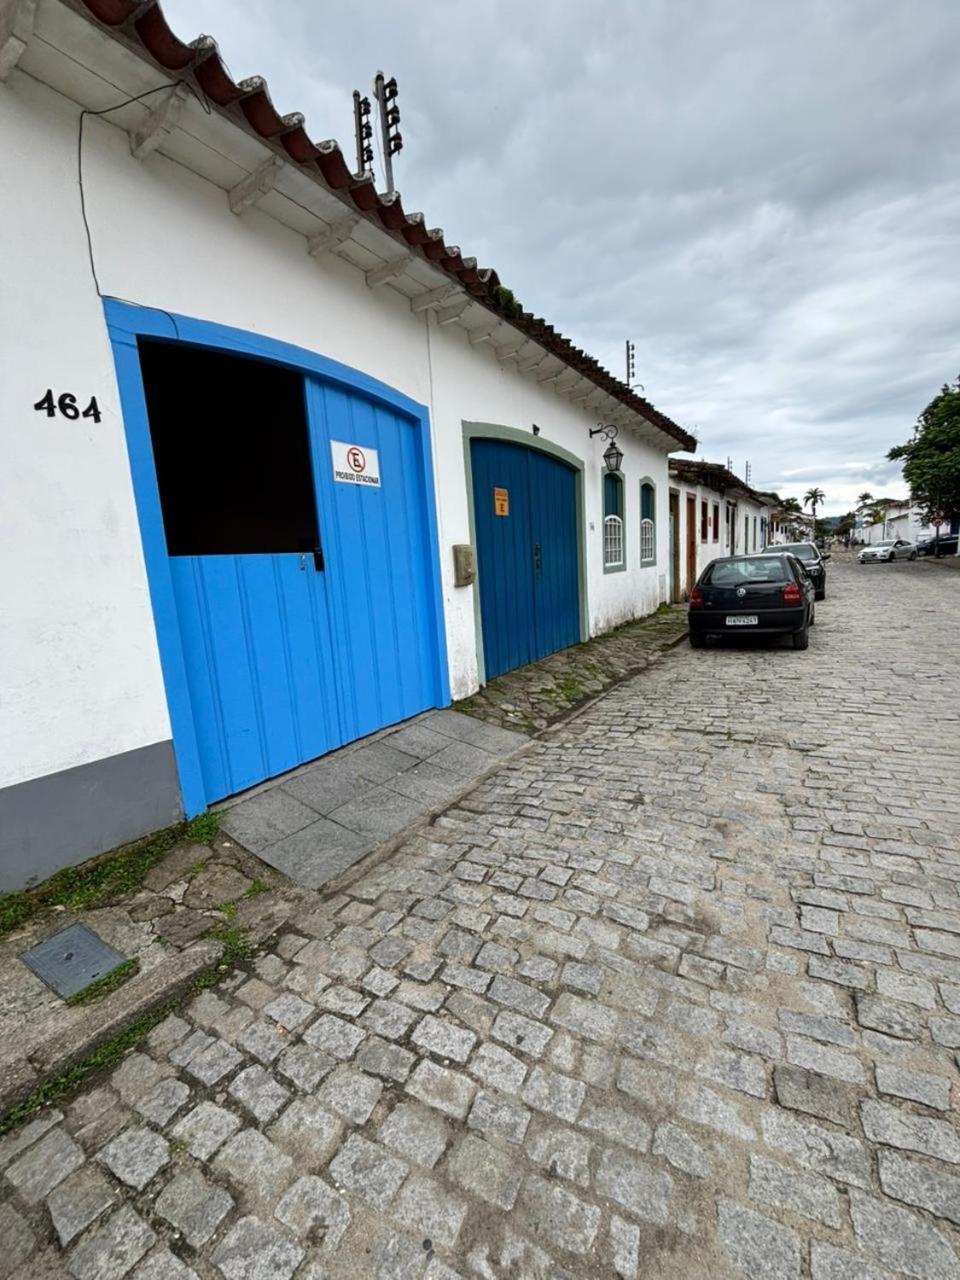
(559, 1217)
(439, 1087)
(785, 1187)
(917, 1086)
(415, 1133)
(254, 1165)
(636, 1185)
(112, 1249)
(307, 1132)
(43, 1165)
(920, 1184)
(164, 1265)
(484, 1171)
(350, 1094)
(368, 1171)
(193, 1206)
(430, 1211)
(254, 1250)
(896, 1127)
(757, 1245)
(258, 1093)
(498, 1119)
(205, 1128)
(901, 1239)
(314, 1212)
(18, 1240)
(78, 1201)
(554, 1093)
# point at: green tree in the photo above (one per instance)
(931, 460)
(865, 499)
(812, 499)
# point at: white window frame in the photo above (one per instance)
(648, 540)
(613, 542)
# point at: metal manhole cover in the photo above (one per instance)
(72, 959)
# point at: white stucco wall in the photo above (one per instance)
(725, 545)
(80, 670)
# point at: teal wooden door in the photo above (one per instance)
(525, 512)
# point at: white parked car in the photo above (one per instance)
(889, 549)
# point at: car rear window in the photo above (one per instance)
(732, 573)
(803, 551)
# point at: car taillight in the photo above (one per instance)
(792, 594)
(696, 598)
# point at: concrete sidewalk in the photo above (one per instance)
(317, 822)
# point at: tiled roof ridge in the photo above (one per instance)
(697, 469)
(250, 104)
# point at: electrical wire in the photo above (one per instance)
(105, 111)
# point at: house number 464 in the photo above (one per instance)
(66, 404)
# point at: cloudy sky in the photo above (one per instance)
(764, 195)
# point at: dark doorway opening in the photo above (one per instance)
(232, 452)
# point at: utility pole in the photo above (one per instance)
(385, 92)
(631, 363)
(746, 474)
(364, 133)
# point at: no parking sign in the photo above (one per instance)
(355, 464)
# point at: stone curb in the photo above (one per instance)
(140, 996)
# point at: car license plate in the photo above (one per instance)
(742, 620)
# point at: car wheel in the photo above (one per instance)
(913, 555)
(890, 558)
(697, 641)
(801, 639)
(813, 616)
(821, 594)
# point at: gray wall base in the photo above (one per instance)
(64, 818)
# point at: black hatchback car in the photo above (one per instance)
(770, 594)
(813, 560)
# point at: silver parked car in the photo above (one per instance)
(889, 549)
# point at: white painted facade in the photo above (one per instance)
(902, 520)
(80, 676)
(727, 521)
(781, 528)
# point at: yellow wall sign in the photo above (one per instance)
(501, 502)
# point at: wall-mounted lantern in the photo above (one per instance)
(612, 455)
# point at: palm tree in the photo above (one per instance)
(865, 499)
(792, 505)
(812, 499)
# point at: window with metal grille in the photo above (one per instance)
(614, 556)
(612, 542)
(648, 527)
(716, 522)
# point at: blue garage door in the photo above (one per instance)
(525, 506)
(294, 513)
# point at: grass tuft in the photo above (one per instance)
(205, 827)
(52, 1090)
(237, 946)
(99, 881)
(103, 986)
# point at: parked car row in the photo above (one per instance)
(773, 592)
(946, 544)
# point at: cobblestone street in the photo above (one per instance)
(674, 993)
